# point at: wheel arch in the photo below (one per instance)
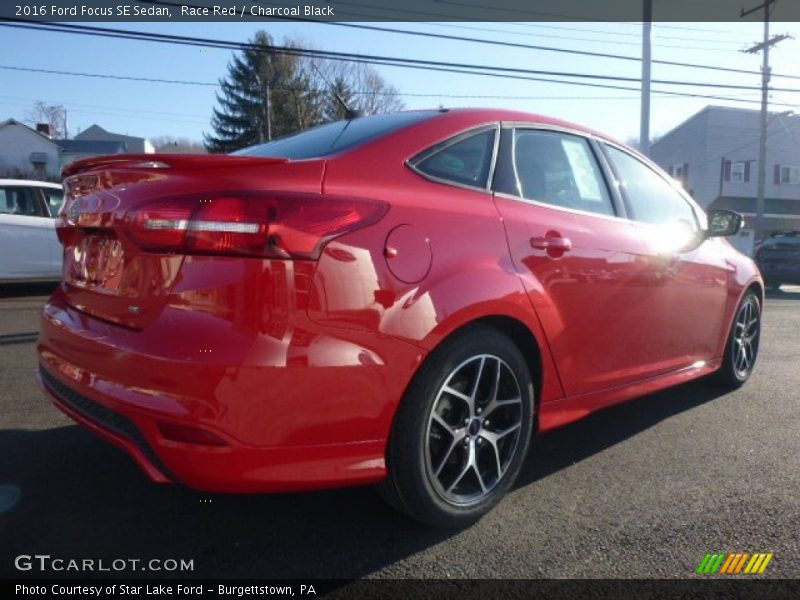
(532, 346)
(526, 342)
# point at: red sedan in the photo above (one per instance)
(403, 299)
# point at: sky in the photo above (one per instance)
(154, 109)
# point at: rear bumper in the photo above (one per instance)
(306, 411)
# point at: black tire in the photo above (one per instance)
(418, 438)
(733, 373)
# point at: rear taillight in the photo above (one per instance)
(284, 225)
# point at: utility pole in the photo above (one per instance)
(764, 46)
(647, 30)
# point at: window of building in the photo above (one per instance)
(466, 161)
(737, 171)
(789, 174)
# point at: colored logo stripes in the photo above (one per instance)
(734, 563)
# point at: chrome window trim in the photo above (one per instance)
(445, 143)
(565, 209)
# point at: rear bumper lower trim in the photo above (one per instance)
(104, 418)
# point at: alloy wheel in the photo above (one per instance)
(473, 429)
(745, 338)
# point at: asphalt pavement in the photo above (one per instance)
(640, 490)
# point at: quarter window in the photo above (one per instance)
(466, 161)
(559, 169)
(650, 197)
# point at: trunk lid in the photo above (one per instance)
(109, 276)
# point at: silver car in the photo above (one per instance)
(29, 248)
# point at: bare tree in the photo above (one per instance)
(55, 115)
(358, 85)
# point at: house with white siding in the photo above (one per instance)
(714, 154)
(32, 153)
(25, 151)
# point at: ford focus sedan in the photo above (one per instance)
(403, 299)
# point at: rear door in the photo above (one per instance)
(25, 235)
(585, 266)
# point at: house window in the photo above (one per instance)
(680, 173)
(789, 174)
(737, 171)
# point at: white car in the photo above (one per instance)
(29, 248)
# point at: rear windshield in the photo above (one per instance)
(335, 137)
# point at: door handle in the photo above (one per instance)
(561, 244)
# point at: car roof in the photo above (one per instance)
(30, 183)
(508, 115)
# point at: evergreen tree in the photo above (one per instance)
(260, 99)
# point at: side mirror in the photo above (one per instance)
(722, 223)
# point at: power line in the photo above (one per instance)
(506, 44)
(662, 93)
(572, 38)
(549, 25)
(359, 92)
(557, 16)
(489, 70)
(107, 76)
(117, 114)
(549, 49)
(106, 107)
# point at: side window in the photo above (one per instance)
(18, 201)
(54, 198)
(651, 199)
(559, 169)
(466, 161)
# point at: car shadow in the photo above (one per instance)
(67, 494)
(19, 290)
(784, 293)
(558, 449)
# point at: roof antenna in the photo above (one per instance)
(349, 113)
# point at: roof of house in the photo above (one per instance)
(91, 146)
(705, 111)
(97, 132)
(21, 124)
